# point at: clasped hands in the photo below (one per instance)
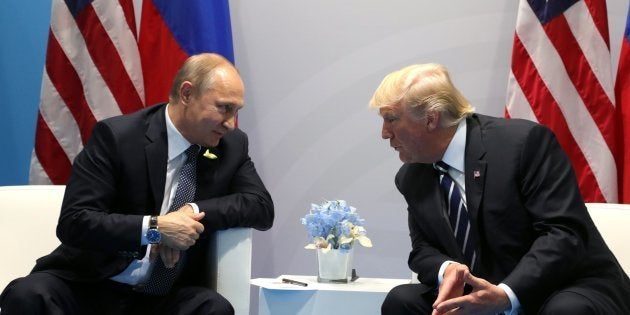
(180, 229)
(485, 298)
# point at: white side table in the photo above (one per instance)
(364, 296)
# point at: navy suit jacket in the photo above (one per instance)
(119, 177)
(533, 229)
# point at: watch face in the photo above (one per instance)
(153, 236)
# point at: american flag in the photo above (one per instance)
(100, 64)
(622, 93)
(561, 77)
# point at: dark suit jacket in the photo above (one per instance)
(119, 177)
(533, 229)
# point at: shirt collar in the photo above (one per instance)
(176, 142)
(454, 155)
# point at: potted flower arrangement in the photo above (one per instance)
(333, 227)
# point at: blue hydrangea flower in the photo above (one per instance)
(334, 225)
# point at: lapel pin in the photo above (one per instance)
(209, 155)
(476, 174)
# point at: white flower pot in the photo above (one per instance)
(335, 265)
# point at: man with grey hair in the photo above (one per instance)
(144, 195)
(496, 219)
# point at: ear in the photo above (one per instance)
(185, 91)
(433, 120)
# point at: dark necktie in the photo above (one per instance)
(458, 215)
(162, 278)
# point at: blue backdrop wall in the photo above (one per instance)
(24, 33)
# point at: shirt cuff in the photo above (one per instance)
(194, 206)
(516, 305)
(441, 271)
(145, 228)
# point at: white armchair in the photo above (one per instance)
(28, 219)
(612, 221)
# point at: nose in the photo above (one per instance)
(385, 133)
(230, 123)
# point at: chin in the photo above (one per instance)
(403, 158)
(213, 143)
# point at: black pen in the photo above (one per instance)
(285, 280)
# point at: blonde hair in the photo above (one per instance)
(199, 70)
(420, 88)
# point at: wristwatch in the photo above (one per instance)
(153, 233)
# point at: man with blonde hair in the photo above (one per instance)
(496, 219)
(144, 195)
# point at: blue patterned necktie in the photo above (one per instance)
(458, 215)
(162, 278)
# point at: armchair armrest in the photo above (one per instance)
(233, 259)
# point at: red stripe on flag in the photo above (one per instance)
(127, 6)
(68, 84)
(548, 113)
(160, 53)
(586, 83)
(108, 62)
(53, 159)
(622, 94)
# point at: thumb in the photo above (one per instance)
(474, 281)
(198, 216)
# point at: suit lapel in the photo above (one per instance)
(475, 176)
(206, 168)
(156, 153)
(475, 166)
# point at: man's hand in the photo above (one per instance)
(452, 284)
(180, 229)
(485, 298)
(169, 255)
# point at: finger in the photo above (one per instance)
(450, 305)
(443, 294)
(155, 251)
(167, 257)
(176, 255)
(198, 227)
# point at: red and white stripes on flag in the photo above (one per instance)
(93, 71)
(622, 94)
(561, 77)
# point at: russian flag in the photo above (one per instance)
(171, 31)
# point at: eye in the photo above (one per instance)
(389, 118)
(225, 109)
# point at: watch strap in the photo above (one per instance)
(153, 222)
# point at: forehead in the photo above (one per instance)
(394, 109)
(227, 80)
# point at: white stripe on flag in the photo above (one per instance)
(518, 106)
